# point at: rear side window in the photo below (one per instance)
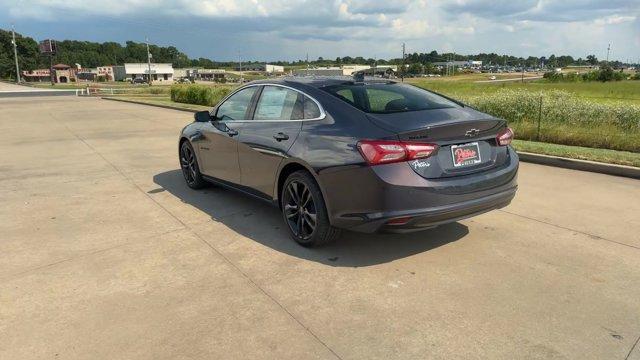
(279, 103)
(386, 98)
(311, 110)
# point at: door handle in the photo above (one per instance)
(281, 136)
(232, 132)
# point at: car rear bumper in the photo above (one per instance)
(366, 198)
(431, 217)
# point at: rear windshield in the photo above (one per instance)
(388, 97)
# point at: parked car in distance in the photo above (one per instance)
(337, 153)
(138, 81)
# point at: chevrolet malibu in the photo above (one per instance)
(361, 155)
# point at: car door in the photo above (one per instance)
(265, 140)
(219, 146)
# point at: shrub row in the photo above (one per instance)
(605, 74)
(199, 94)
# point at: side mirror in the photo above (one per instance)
(202, 116)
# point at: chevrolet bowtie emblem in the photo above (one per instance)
(472, 133)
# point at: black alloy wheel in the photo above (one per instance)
(189, 165)
(300, 210)
(304, 211)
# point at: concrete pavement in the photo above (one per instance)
(105, 253)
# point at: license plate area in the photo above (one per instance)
(464, 155)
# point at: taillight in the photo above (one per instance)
(385, 152)
(504, 137)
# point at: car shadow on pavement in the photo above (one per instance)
(262, 223)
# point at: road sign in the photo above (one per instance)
(48, 47)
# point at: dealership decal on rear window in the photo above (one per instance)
(465, 154)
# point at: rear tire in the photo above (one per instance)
(304, 211)
(190, 168)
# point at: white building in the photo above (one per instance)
(159, 72)
(106, 71)
(319, 71)
(268, 68)
(348, 70)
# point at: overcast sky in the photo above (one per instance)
(288, 29)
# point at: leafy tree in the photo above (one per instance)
(592, 60)
(415, 69)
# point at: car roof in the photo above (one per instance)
(321, 81)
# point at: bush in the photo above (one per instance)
(199, 94)
(553, 76)
(606, 73)
(565, 118)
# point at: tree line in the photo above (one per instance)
(91, 54)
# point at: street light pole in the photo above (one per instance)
(15, 53)
(403, 58)
(240, 67)
(148, 60)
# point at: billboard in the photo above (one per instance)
(47, 47)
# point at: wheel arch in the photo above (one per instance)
(289, 168)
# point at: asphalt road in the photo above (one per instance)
(106, 254)
(13, 90)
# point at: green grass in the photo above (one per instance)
(578, 152)
(601, 92)
(588, 114)
(199, 94)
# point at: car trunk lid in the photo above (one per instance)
(466, 139)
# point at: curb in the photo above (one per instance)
(148, 104)
(556, 161)
(583, 165)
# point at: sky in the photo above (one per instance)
(289, 29)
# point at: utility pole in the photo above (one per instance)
(307, 63)
(403, 57)
(148, 60)
(240, 67)
(15, 53)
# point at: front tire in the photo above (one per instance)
(190, 168)
(304, 211)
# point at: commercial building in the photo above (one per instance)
(348, 70)
(209, 74)
(63, 73)
(268, 68)
(107, 72)
(319, 71)
(159, 72)
(37, 75)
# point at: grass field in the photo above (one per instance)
(465, 86)
(587, 114)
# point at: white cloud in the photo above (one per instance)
(614, 20)
(281, 28)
